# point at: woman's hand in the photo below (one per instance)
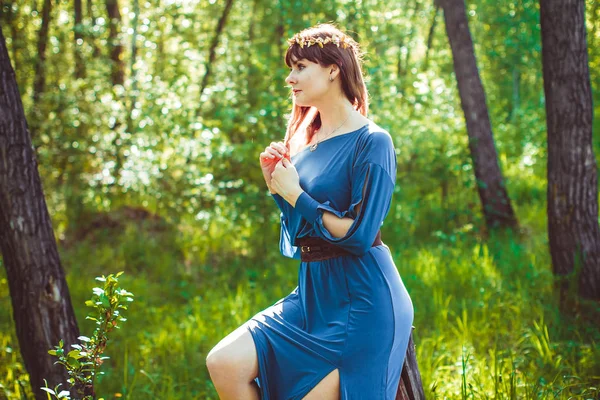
(269, 158)
(285, 181)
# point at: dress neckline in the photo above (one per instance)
(331, 138)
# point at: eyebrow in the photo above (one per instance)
(296, 62)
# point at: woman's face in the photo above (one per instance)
(309, 81)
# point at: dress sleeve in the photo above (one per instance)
(283, 205)
(373, 181)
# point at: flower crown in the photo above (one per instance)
(302, 41)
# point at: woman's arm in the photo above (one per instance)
(338, 227)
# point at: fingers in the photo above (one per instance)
(270, 153)
(274, 150)
(277, 148)
(265, 155)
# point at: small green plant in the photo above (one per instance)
(83, 362)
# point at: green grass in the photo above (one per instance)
(487, 324)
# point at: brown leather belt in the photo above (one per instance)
(317, 249)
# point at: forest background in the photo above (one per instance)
(148, 154)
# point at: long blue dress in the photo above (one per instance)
(350, 312)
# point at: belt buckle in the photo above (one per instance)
(305, 249)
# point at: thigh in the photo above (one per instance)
(236, 353)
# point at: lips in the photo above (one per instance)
(296, 91)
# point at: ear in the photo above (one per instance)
(334, 71)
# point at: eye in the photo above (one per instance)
(300, 67)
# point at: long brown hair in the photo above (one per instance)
(348, 57)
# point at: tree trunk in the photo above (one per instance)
(410, 387)
(117, 78)
(78, 36)
(39, 80)
(212, 52)
(430, 35)
(495, 202)
(9, 17)
(93, 22)
(41, 303)
(573, 230)
(114, 42)
(133, 71)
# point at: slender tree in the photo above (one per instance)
(93, 23)
(430, 35)
(573, 230)
(117, 78)
(39, 80)
(114, 42)
(496, 204)
(212, 51)
(78, 37)
(42, 308)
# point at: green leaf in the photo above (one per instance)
(74, 354)
(73, 362)
(49, 390)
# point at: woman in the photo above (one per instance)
(343, 331)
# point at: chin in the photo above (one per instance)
(303, 103)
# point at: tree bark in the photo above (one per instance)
(114, 42)
(573, 230)
(9, 17)
(497, 208)
(410, 387)
(41, 302)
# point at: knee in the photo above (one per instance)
(212, 361)
(218, 364)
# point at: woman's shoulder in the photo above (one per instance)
(375, 145)
(375, 136)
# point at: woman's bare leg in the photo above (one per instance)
(233, 365)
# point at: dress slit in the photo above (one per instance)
(314, 384)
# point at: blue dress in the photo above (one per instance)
(350, 312)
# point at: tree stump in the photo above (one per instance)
(410, 386)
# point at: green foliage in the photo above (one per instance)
(487, 323)
(83, 362)
(201, 253)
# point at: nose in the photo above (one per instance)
(290, 80)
